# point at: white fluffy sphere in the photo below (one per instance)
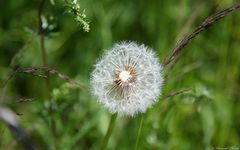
(127, 79)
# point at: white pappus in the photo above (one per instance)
(127, 79)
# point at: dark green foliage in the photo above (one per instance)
(67, 117)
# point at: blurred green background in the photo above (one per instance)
(206, 117)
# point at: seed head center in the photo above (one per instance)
(124, 76)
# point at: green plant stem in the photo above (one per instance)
(43, 50)
(109, 132)
(45, 63)
(41, 33)
(139, 133)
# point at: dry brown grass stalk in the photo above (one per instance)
(209, 21)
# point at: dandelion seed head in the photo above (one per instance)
(127, 79)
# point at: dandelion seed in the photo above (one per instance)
(128, 79)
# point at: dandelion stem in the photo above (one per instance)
(139, 133)
(109, 131)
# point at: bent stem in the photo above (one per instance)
(139, 133)
(109, 132)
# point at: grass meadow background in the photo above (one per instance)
(205, 117)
